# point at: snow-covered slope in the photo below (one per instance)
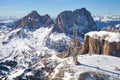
(25, 47)
(57, 41)
(22, 40)
(92, 67)
(24, 55)
(22, 48)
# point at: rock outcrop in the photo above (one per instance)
(34, 21)
(111, 29)
(79, 18)
(102, 42)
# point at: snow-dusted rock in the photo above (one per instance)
(34, 21)
(101, 42)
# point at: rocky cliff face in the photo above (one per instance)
(79, 18)
(34, 21)
(102, 42)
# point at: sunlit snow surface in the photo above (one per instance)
(25, 47)
(105, 35)
(15, 45)
(103, 64)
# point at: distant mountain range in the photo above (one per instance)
(8, 19)
(102, 20)
(106, 17)
(107, 20)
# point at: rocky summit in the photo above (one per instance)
(79, 18)
(34, 21)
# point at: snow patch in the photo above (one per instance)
(108, 36)
(57, 37)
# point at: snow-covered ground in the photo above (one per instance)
(12, 43)
(57, 37)
(99, 64)
(25, 47)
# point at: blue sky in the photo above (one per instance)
(54, 7)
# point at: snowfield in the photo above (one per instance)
(11, 43)
(24, 48)
(98, 64)
(105, 35)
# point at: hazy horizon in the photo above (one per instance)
(20, 8)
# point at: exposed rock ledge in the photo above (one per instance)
(102, 42)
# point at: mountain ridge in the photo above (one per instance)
(34, 20)
(30, 51)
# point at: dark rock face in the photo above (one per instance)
(7, 66)
(79, 18)
(115, 53)
(93, 76)
(34, 21)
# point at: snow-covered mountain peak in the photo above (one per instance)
(106, 17)
(106, 20)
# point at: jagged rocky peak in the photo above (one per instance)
(82, 12)
(34, 21)
(33, 15)
(80, 18)
(47, 21)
